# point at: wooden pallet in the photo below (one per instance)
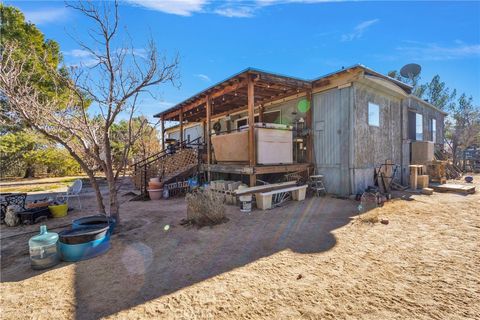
(450, 187)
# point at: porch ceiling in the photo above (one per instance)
(230, 95)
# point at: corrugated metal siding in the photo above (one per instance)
(331, 128)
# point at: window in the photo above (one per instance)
(373, 114)
(434, 130)
(418, 127)
(244, 121)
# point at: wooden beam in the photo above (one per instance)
(181, 124)
(200, 101)
(281, 168)
(260, 113)
(228, 168)
(251, 129)
(207, 136)
(251, 121)
(163, 133)
(309, 126)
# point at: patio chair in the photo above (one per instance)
(72, 192)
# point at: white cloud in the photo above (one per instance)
(203, 77)
(80, 58)
(231, 8)
(359, 30)
(46, 15)
(435, 52)
(77, 53)
(178, 7)
(235, 12)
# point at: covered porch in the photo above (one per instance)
(253, 93)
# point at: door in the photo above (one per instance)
(331, 114)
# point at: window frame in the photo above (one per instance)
(433, 132)
(377, 113)
(417, 115)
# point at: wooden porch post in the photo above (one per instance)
(163, 133)
(251, 128)
(207, 136)
(181, 125)
(260, 113)
(309, 126)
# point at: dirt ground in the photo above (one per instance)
(307, 260)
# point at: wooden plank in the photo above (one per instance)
(198, 102)
(265, 188)
(413, 177)
(422, 181)
(235, 169)
(181, 125)
(309, 126)
(163, 133)
(207, 136)
(284, 190)
(281, 168)
(453, 188)
(252, 180)
(251, 120)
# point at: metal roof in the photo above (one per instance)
(404, 86)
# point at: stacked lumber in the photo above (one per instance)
(437, 170)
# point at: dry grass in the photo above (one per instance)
(369, 217)
(423, 264)
(205, 208)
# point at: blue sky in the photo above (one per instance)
(302, 38)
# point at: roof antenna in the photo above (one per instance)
(410, 71)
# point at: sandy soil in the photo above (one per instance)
(308, 260)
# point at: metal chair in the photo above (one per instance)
(73, 191)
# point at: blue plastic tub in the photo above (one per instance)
(95, 221)
(83, 243)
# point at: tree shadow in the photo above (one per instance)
(149, 260)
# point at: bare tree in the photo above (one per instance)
(96, 96)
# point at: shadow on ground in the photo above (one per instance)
(149, 260)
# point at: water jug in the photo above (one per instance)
(43, 249)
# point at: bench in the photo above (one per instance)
(264, 199)
(264, 188)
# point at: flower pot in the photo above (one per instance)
(155, 194)
(58, 211)
(155, 185)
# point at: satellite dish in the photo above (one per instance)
(410, 70)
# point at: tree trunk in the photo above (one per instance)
(29, 171)
(98, 194)
(114, 206)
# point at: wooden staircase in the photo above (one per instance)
(168, 165)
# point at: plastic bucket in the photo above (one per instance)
(58, 211)
(246, 206)
(155, 194)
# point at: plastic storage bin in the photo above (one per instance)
(43, 249)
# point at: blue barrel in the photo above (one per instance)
(83, 243)
(95, 221)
